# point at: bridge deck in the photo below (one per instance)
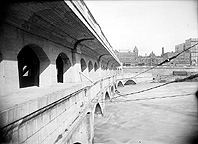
(30, 94)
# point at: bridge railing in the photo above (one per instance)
(48, 118)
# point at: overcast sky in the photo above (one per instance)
(149, 24)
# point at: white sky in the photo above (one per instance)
(149, 24)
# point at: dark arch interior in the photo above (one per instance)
(83, 65)
(130, 82)
(28, 67)
(95, 67)
(59, 67)
(107, 97)
(90, 66)
(62, 65)
(98, 109)
(120, 84)
(112, 88)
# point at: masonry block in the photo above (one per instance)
(39, 122)
(34, 139)
(45, 118)
(22, 133)
(15, 137)
(29, 127)
(40, 136)
(33, 106)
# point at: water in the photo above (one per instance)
(170, 119)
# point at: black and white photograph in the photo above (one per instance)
(99, 72)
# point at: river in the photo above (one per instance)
(165, 115)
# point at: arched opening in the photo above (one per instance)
(120, 84)
(107, 97)
(28, 67)
(98, 110)
(95, 66)
(130, 82)
(112, 89)
(90, 66)
(59, 67)
(62, 65)
(83, 65)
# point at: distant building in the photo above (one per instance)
(135, 51)
(168, 55)
(193, 51)
(162, 51)
(180, 47)
(189, 57)
(186, 58)
(128, 57)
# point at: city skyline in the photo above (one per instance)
(149, 25)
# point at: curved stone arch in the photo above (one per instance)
(90, 66)
(83, 64)
(62, 65)
(130, 82)
(107, 96)
(120, 84)
(98, 109)
(32, 61)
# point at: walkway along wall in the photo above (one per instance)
(56, 68)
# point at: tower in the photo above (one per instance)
(162, 51)
(135, 51)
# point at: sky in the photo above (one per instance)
(147, 24)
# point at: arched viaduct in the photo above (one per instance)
(57, 70)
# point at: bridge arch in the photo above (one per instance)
(107, 97)
(120, 84)
(130, 82)
(62, 65)
(83, 64)
(98, 110)
(32, 61)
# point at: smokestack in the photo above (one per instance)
(162, 50)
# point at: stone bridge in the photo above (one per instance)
(130, 79)
(57, 70)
